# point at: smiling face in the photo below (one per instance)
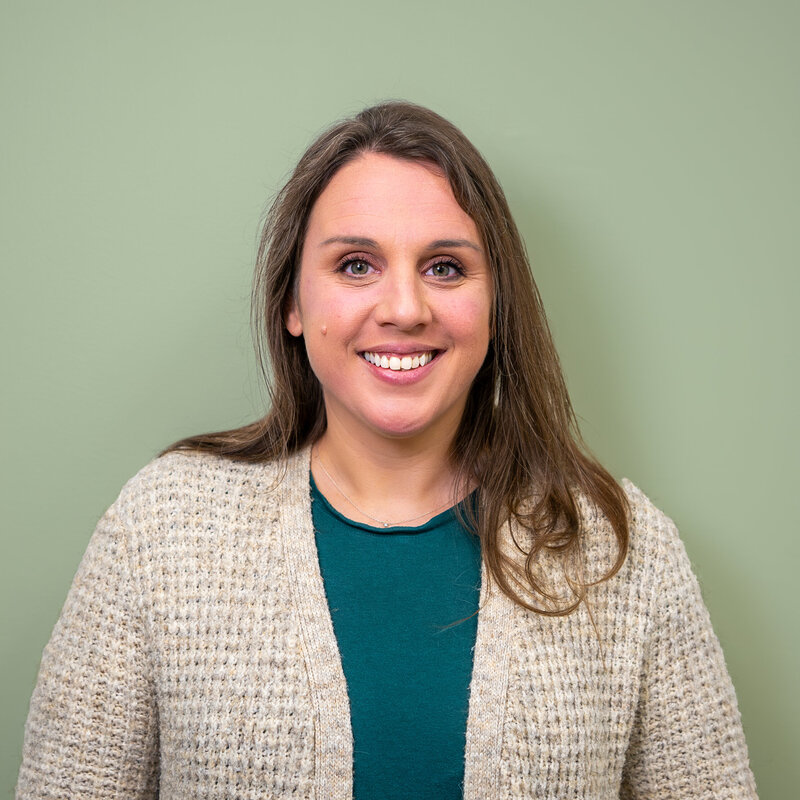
(393, 300)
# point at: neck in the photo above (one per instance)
(378, 478)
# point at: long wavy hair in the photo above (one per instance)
(518, 440)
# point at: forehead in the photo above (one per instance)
(391, 197)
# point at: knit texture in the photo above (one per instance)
(195, 658)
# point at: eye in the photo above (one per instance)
(445, 269)
(355, 266)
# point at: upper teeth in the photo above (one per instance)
(398, 362)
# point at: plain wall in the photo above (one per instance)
(649, 151)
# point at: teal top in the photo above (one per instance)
(394, 596)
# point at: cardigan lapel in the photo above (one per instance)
(487, 697)
(332, 728)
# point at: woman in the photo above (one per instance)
(408, 579)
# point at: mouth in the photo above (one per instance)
(400, 361)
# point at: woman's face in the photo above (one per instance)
(393, 300)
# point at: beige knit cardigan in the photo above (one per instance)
(195, 658)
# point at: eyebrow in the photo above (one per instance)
(362, 241)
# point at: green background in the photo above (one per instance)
(650, 154)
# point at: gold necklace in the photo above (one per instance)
(382, 522)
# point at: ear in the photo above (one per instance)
(292, 320)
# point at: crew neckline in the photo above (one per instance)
(437, 521)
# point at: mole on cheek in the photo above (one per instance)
(324, 329)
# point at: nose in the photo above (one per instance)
(403, 300)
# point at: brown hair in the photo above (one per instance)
(518, 439)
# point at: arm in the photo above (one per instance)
(92, 725)
(687, 739)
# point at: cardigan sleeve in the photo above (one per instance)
(92, 724)
(687, 740)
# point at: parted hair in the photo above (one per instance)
(518, 440)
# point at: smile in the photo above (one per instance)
(405, 362)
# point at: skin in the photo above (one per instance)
(391, 265)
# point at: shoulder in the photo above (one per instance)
(655, 544)
(655, 593)
(186, 486)
(654, 547)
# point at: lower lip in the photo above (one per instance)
(401, 377)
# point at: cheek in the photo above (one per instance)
(469, 323)
(323, 303)
(349, 313)
(331, 323)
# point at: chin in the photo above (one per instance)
(400, 430)
(400, 426)
(412, 426)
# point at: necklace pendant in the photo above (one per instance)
(382, 523)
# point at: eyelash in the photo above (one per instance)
(348, 260)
